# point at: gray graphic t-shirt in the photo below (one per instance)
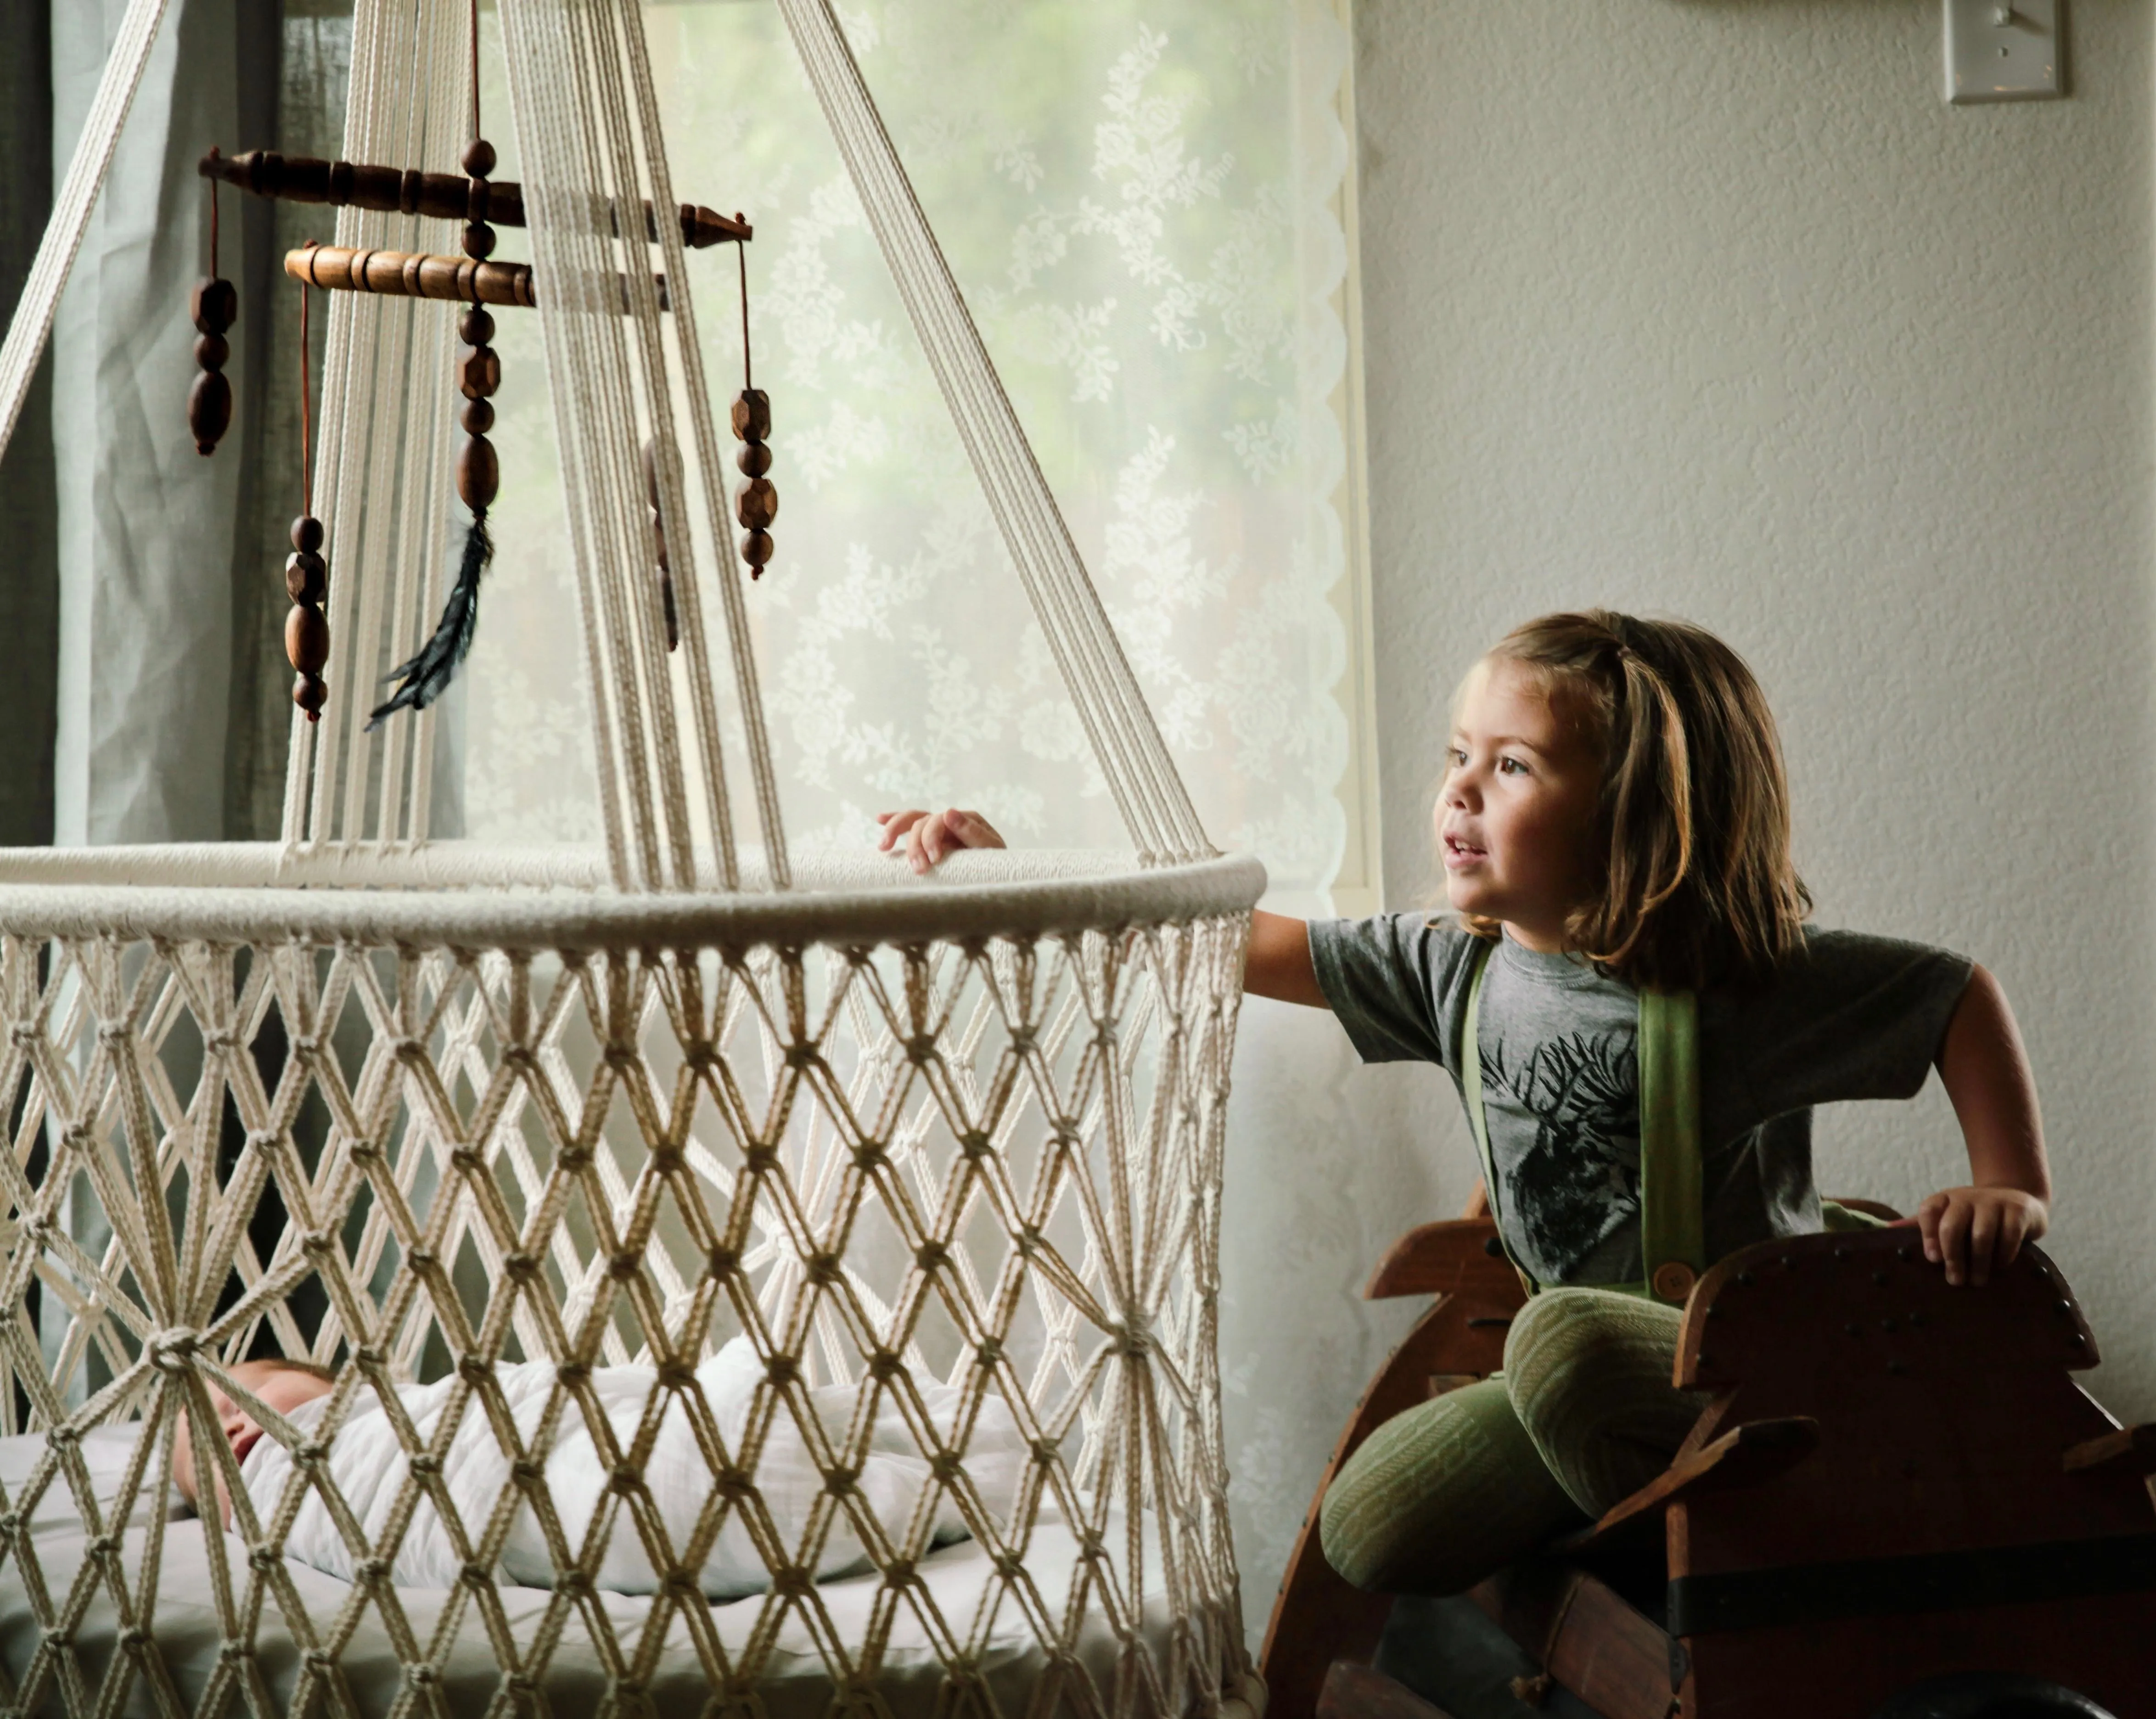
(1853, 1017)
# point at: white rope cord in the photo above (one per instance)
(33, 322)
(566, 206)
(902, 253)
(384, 441)
(414, 425)
(601, 412)
(695, 390)
(350, 371)
(423, 564)
(1126, 739)
(1108, 743)
(647, 326)
(529, 94)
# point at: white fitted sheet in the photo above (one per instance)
(795, 1682)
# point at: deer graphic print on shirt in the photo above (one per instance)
(1576, 1178)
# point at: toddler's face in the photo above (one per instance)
(284, 1388)
(1514, 816)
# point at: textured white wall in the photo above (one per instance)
(1714, 308)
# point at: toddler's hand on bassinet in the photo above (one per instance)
(926, 837)
(1972, 1231)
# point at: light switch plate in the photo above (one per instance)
(2002, 52)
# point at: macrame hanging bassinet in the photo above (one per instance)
(945, 1155)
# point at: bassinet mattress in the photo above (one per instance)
(796, 1681)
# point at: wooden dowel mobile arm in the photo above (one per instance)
(413, 274)
(416, 275)
(395, 189)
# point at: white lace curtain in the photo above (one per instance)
(1135, 199)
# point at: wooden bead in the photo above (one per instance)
(211, 351)
(306, 576)
(475, 327)
(306, 638)
(477, 159)
(477, 418)
(755, 503)
(310, 695)
(753, 457)
(214, 307)
(307, 533)
(209, 410)
(752, 415)
(478, 372)
(479, 240)
(756, 549)
(479, 473)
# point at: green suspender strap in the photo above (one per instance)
(1672, 1216)
(1672, 1200)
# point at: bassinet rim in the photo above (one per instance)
(976, 899)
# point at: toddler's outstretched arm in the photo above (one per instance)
(1278, 961)
(1985, 1071)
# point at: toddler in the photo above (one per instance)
(1613, 822)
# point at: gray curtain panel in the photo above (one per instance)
(148, 531)
(29, 579)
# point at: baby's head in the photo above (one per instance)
(281, 1384)
(1615, 785)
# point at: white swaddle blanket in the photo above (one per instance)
(369, 1467)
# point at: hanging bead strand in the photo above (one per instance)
(215, 307)
(426, 676)
(478, 366)
(756, 502)
(479, 374)
(307, 574)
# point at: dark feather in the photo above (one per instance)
(426, 675)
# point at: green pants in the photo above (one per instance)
(1584, 1415)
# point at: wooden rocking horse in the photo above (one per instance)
(1898, 1506)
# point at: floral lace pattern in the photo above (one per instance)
(1118, 191)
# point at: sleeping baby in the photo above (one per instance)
(368, 1466)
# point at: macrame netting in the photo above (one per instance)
(616, 1109)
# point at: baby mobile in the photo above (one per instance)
(471, 279)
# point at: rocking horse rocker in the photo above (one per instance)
(1897, 1505)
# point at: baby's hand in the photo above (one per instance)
(928, 836)
(1970, 1230)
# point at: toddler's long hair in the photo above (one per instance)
(1697, 887)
